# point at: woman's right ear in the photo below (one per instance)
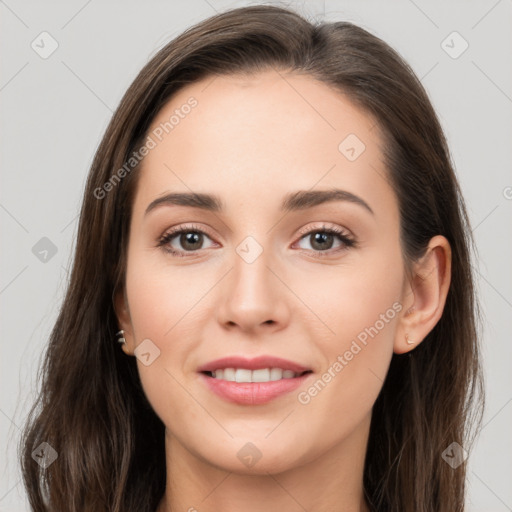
(124, 321)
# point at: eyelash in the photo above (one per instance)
(347, 241)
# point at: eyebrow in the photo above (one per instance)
(296, 201)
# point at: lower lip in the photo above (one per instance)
(252, 393)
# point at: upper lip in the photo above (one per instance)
(256, 363)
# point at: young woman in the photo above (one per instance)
(273, 231)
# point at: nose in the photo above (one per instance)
(253, 297)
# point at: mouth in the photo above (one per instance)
(261, 375)
(253, 386)
(256, 381)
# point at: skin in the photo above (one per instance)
(251, 140)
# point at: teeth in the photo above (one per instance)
(276, 374)
(261, 375)
(243, 375)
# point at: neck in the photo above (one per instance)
(333, 481)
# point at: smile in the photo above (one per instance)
(249, 390)
(261, 375)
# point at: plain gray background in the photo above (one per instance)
(55, 110)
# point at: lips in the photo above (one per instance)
(256, 363)
(243, 392)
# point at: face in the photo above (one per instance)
(270, 267)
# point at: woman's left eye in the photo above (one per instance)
(322, 241)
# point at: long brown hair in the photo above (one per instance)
(91, 408)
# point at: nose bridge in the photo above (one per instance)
(250, 277)
(252, 294)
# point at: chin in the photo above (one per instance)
(252, 457)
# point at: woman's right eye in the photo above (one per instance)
(189, 239)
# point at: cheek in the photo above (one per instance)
(164, 306)
(348, 300)
(161, 298)
(359, 308)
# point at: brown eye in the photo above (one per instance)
(183, 240)
(191, 240)
(322, 240)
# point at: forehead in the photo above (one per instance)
(269, 131)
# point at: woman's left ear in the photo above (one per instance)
(424, 295)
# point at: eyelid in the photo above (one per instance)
(327, 226)
(186, 227)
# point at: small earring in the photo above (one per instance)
(410, 310)
(408, 341)
(121, 339)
